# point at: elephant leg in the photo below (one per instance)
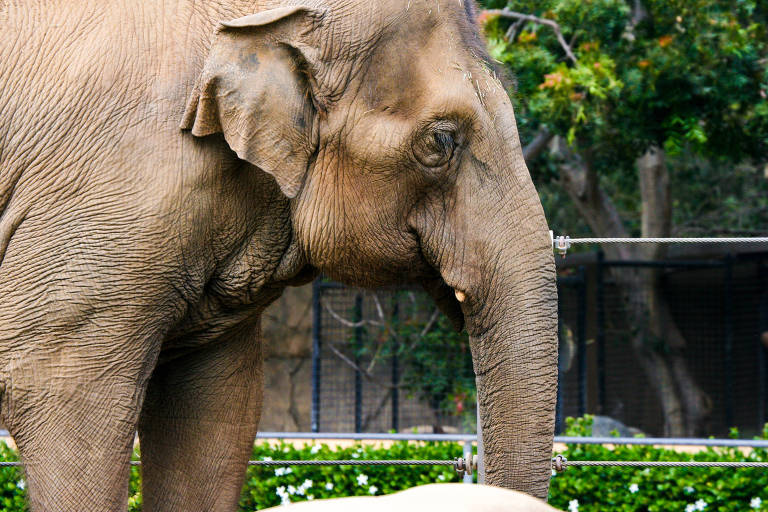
(198, 423)
(74, 419)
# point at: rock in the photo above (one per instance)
(603, 426)
(287, 324)
(287, 395)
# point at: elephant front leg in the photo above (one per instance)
(198, 423)
(74, 421)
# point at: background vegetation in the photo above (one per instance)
(643, 118)
(577, 489)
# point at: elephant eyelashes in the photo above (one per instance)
(435, 146)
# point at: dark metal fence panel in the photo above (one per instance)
(719, 306)
(362, 374)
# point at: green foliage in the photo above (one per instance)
(691, 77)
(584, 489)
(435, 361)
(658, 489)
(265, 485)
(12, 486)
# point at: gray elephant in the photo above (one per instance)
(167, 170)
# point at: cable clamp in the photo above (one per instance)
(559, 463)
(562, 244)
(467, 466)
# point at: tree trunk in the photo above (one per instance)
(683, 402)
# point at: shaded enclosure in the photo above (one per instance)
(386, 360)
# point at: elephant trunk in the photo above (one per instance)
(515, 360)
(510, 313)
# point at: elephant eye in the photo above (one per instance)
(435, 146)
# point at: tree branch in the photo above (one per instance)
(537, 145)
(656, 212)
(338, 353)
(579, 179)
(506, 13)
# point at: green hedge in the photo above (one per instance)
(578, 489)
(587, 489)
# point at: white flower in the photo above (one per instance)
(554, 473)
(633, 488)
(310, 497)
(307, 484)
(283, 471)
(314, 449)
(573, 506)
(690, 507)
(362, 479)
(266, 458)
(285, 450)
(355, 455)
(441, 477)
(754, 503)
(284, 497)
(373, 489)
(329, 486)
(292, 490)
(688, 489)
(700, 504)
(21, 485)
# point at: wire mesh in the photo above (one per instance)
(369, 363)
(619, 323)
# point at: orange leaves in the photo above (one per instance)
(551, 80)
(665, 41)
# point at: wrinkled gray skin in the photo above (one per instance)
(164, 176)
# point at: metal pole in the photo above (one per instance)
(468, 456)
(480, 449)
(581, 339)
(728, 340)
(358, 375)
(600, 335)
(316, 328)
(762, 350)
(395, 366)
(559, 403)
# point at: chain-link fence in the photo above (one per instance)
(673, 348)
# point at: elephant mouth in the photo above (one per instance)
(445, 298)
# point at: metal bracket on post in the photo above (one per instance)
(559, 463)
(462, 465)
(562, 244)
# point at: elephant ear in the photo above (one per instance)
(255, 89)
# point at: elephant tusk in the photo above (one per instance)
(460, 296)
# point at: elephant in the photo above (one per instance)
(166, 170)
(455, 497)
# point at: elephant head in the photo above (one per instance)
(387, 128)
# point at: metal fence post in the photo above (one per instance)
(468, 457)
(395, 366)
(600, 334)
(316, 327)
(480, 449)
(559, 402)
(581, 340)
(728, 341)
(762, 350)
(358, 375)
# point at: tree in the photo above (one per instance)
(633, 110)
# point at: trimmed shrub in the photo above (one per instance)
(577, 489)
